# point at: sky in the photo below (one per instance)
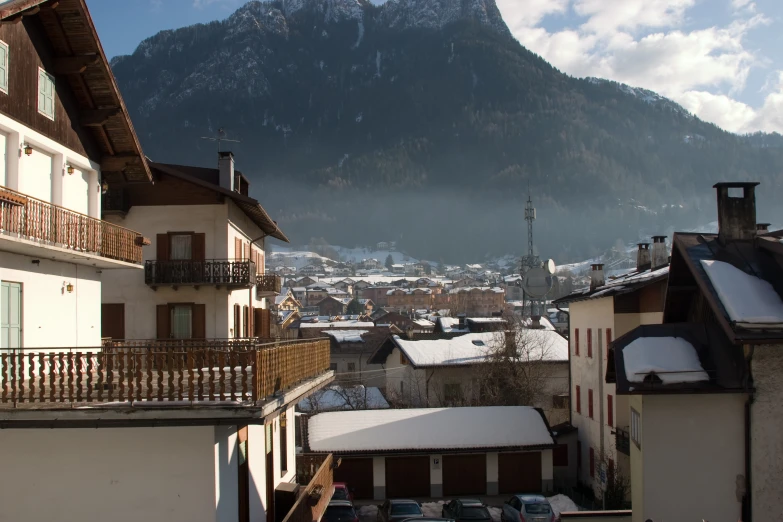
(720, 59)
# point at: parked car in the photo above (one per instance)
(342, 492)
(429, 519)
(466, 510)
(527, 508)
(399, 510)
(340, 511)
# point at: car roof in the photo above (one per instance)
(531, 497)
(340, 503)
(469, 501)
(403, 501)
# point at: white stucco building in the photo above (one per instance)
(604, 312)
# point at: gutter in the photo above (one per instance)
(569, 360)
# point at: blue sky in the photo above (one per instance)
(721, 59)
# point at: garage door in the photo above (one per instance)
(357, 473)
(407, 477)
(465, 474)
(519, 472)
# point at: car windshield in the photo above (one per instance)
(474, 512)
(405, 509)
(537, 509)
(340, 494)
(339, 513)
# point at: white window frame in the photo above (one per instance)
(41, 74)
(636, 428)
(4, 87)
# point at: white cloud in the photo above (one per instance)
(645, 43)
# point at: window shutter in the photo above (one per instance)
(610, 410)
(199, 247)
(237, 249)
(41, 91)
(245, 322)
(578, 399)
(576, 339)
(258, 321)
(247, 252)
(589, 342)
(608, 339)
(199, 321)
(266, 319)
(163, 247)
(237, 321)
(3, 67)
(590, 403)
(163, 322)
(251, 332)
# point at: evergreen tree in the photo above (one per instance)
(389, 262)
(355, 308)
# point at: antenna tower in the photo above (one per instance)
(221, 136)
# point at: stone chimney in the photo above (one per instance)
(535, 322)
(596, 276)
(461, 323)
(762, 228)
(643, 259)
(226, 169)
(736, 211)
(660, 256)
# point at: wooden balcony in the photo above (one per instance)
(176, 373)
(38, 222)
(214, 272)
(268, 285)
(312, 502)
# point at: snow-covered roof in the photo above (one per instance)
(672, 359)
(346, 336)
(484, 320)
(746, 298)
(337, 398)
(421, 429)
(337, 324)
(451, 325)
(424, 323)
(496, 289)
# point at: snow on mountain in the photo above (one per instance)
(405, 14)
(645, 95)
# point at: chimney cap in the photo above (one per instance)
(597, 266)
(736, 184)
(640, 245)
(762, 226)
(658, 239)
(225, 154)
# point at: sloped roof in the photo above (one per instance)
(372, 337)
(624, 284)
(427, 429)
(72, 35)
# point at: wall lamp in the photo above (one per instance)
(28, 150)
(70, 169)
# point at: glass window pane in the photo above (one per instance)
(181, 322)
(181, 246)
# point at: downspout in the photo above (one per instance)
(747, 511)
(568, 314)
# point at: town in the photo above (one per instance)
(164, 355)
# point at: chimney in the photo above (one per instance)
(226, 169)
(535, 322)
(597, 276)
(736, 211)
(660, 256)
(643, 259)
(762, 228)
(461, 323)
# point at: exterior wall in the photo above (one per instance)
(367, 374)
(493, 473)
(566, 475)
(289, 474)
(51, 316)
(256, 460)
(766, 443)
(637, 463)
(149, 473)
(693, 452)
(226, 474)
(436, 476)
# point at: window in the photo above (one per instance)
(560, 455)
(181, 246)
(283, 445)
(578, 399)
(351, 367)
(590, 403)
(592, 463)
(46, 94)
(576, 341)
(636, 428)
(560, 402)
(589, 342)
(452, 393)
(181, 322)
(610, 410)
(4, 67)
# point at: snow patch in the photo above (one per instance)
(346, 336)
(672, 359)
(746, 298)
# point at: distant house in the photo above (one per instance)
(401, 321)
(332, 306)
(342, 269)
(370, 264)
(311, 270)
(398, 269)
(286, 301)
(382, 245)
(436, 452)
(368, 305)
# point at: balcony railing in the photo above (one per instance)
(158, 373)
(268, 285)
(312, 503)
(622, 441)
(36, 220)
(219, 272)
(115, 201)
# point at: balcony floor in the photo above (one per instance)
(36, 249)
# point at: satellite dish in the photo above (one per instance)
(537, 282)
(549, 266)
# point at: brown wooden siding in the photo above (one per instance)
(170, 191)
(357, 473)
(29, 49)
(519, 472)
(651, 298)
(465, 474)
(407, 477)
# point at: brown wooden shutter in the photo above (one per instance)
(113, 320)
(251, 322)
(237, 249)
(245, 322)
(247, 252)
(163, 247)
(199, 247)
(164, 321)
(266, 327)
(237, 321)
(199, 321)
(258, 320)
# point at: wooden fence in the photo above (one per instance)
(37, 220)
(51, 379)
(307, 465)
(310, 506)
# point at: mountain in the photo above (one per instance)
(426, 122)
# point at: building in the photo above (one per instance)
(446, 369)
(408, 299)
(412, 453)
(333, 306)
(378, 294)
(312, 270)
(712, 367)
(368, 305)
(286, 301)
(398, 269)
(201, 433)
(204, 277)
(382, 245)
(606, 311)
(477, 301)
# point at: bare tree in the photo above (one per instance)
(339, 398)
(616, 489)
